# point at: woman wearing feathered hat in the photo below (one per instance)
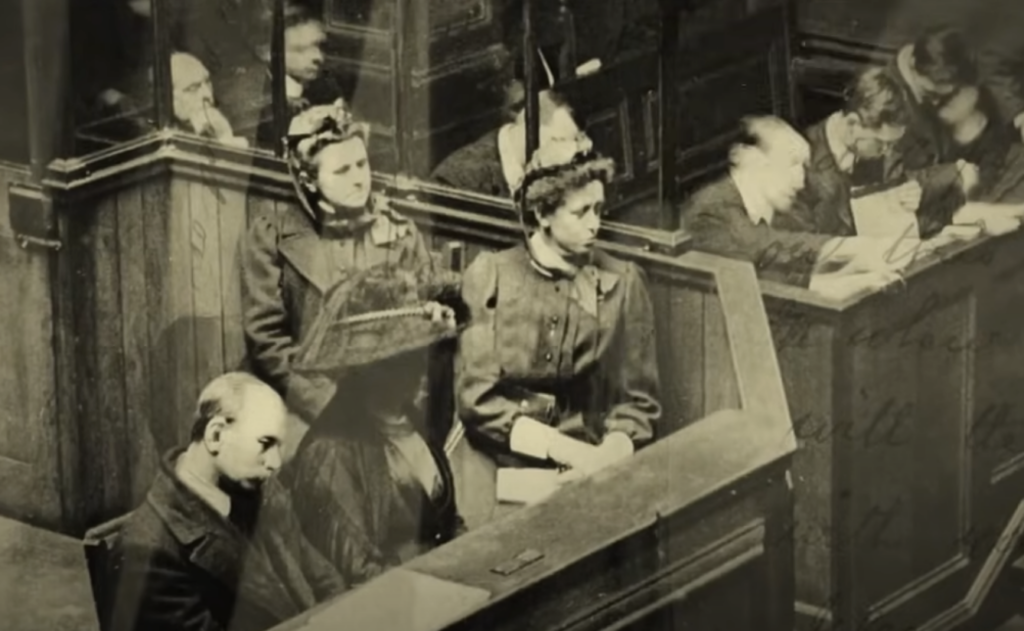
(557, 365)
(293, 256)
(371, 484)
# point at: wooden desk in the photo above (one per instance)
(909, 411)
(692, 533)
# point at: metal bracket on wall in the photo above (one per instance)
(32, 216)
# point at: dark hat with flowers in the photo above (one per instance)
(380, 313)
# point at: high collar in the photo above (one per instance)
(905, 66)
(550, 262)
(186, 512)
(186, 471)
(292, 88)
(754, 202)
(843, 156)
(339, 226)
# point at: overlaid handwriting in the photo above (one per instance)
(792, 329)
(892, 423)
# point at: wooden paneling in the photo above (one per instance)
(695, 537)
(906, 406)
(28, 420)
(151, 310)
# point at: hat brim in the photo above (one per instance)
(360, 346)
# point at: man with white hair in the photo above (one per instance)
(734, 216)
(216, 544)
(194, 105)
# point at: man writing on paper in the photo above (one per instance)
(735, 215)
(850, 150)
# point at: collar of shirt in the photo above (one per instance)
(754, 201)
(292, 88)
(549, 261)
(209, 493)
(904, 63)
(844, 158)
(511, 160)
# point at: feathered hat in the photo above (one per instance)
(379, 313)
(310, 131)
(559, 165)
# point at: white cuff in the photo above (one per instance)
(620, 442)
(530, 438)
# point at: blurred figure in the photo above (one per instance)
(232, 40)
(216, 545)
(494, 163)
(372, 485)
(735, 216)
(306, 80)
(193, 102)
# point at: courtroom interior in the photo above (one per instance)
(466, 315)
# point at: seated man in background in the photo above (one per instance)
(734, 217)
(953, 112)
(194, 107)
(306, 83)
(216, 545)
(494, 163)
(852, 148)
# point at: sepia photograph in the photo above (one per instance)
(512, 315)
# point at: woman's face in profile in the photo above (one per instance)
(576, 222)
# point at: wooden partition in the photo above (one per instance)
(28, 429)
(907, 406)
(148, 303)
(692, 533)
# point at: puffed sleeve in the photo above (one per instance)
(634, 377)
(268, 332)
(485, 413)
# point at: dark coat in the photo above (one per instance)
(353, 510)
(717, 220)
(186, 568)
(475, 167)
(287, 268)
(549, 358)
(823, 206)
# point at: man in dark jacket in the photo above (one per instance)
(216, 545)
(735, 216)
(855, 148)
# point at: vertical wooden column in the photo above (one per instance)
(531, 87)
(668, 109)
(45, 26)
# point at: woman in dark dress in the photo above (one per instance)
(370, 482)
(557, 365)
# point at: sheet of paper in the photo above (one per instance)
(877, 216)
(429, 604)
(526, 485)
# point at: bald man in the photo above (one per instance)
(736, 216)
(216, 545)
(194, 104)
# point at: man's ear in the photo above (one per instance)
(213, 437)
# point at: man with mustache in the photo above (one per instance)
(216, 545)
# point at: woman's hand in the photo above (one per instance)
(615, 447)
(438, 312)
